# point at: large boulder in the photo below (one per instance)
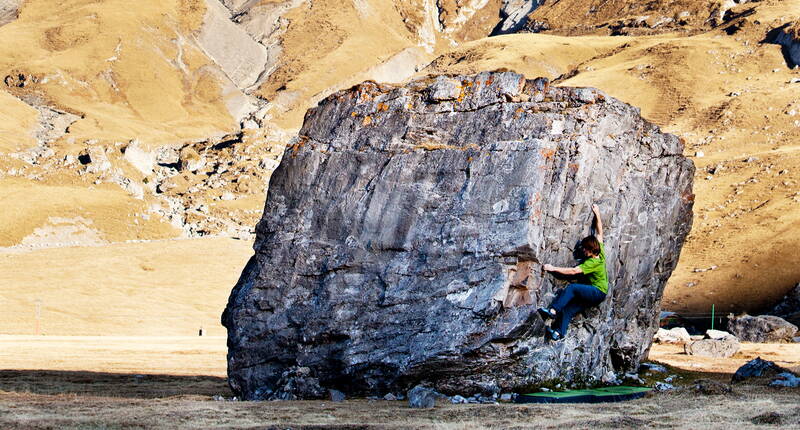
(405, 231)
(762, 328)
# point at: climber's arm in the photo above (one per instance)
(563, 270)
(598, 224)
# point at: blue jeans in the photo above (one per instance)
(573, 299)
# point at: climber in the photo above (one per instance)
(577, 297)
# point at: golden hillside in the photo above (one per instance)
(164, 121)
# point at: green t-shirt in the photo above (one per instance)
(595, 270)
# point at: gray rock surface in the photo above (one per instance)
(237, 54)
(403, 238)
(717, 348)
(9, 10)
(762, 328)
(789, 307)
(787, 380)
(757, 368)
(422, 398)
(336, 396)
(514, 15)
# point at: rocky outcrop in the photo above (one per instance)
(789, 307)
(405, 230)
(9, 10)
(514, 15)
(762, 328)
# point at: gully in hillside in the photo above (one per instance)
(577, 297)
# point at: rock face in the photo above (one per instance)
(763, 328)
(514, 15)
(405, 230)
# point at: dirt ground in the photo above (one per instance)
(140, 382)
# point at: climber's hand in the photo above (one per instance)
(548, 267)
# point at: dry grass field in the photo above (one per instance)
(154, 288)
(101, 298)
(171, 382)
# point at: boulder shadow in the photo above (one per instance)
(125, 385)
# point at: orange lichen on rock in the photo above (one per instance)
(547, 153)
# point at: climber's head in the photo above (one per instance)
(591, 246)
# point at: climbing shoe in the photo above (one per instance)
(547, 313)
(553, 334)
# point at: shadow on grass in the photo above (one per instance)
(135, 386)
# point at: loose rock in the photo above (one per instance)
(717, 334)
(458, 399)
(663, 386)
(762, 328)
(652, 367)
(757, 368)
(786, 380)
(336, 396)
(421, 397)
(719, 348)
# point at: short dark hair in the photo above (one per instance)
(591, 245)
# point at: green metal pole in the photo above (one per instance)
(712, 317)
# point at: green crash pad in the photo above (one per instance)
(595, 395)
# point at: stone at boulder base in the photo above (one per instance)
(405, 230)
(673, 335)
(786, 380)
(718, 348)
(337, 396)
(422, 398)
(717, 334)
(762, 328)
(757, 368)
